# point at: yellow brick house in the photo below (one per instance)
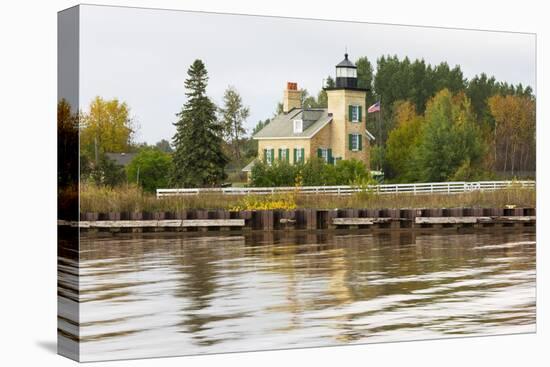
(333, 133)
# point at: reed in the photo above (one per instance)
(130, 198)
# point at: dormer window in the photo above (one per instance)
(298, 126)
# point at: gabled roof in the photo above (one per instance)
(282, 126)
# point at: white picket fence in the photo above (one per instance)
(415, 188)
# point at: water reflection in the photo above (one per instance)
(172, 295)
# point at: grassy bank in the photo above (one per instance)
(132, 199)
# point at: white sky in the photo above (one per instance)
(141, 56)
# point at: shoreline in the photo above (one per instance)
(375, 220)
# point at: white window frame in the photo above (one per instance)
(299, 157)
(283, 153)
(324, 154)
(298, 126)
(354, 113)
(268, 157)
(355, 142)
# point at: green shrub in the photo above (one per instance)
(150, 169)
(315, 172)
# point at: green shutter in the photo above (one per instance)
(319, 152)
(349, 112)
(329, 156)
(360, 113)
(350, 139)
(265, 155)
(280, 153)
(272, 155)
(295, 151)
(287, 155)
(360, 142)
(303, 156)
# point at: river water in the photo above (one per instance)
(163, 295)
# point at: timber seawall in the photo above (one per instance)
(306, 219)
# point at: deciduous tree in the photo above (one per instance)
(233, 116)
(108, 128)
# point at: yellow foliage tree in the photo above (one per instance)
(107, 127)
(514, 133)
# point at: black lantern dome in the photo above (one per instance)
(346, 74)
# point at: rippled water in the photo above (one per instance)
(162, 295)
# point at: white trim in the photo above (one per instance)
(369, 135)
(354, 106)
(295, 137)
(355, 135)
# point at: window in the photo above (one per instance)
(354, 114)
(324, 154)
(298, 155)
(283, 154)
(269, 156)
(343, 72)
(355, 142)
(298, 124)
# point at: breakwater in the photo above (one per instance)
(306, 219)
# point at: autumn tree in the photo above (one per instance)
(107, 128)
(514, 134)
(198, 158)
(403, 141)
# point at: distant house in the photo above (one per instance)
(333, 133)
(122, 159)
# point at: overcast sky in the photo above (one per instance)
(141, 56)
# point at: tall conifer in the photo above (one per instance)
(198, 157)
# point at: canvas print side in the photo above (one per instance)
(68, 183)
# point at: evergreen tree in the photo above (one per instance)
(198, 157)
(259, 126)
(365, 78)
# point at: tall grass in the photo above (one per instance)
(132, 199)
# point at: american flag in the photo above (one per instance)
(374, 108)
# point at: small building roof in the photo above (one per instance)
(248, 167)
(122, 159)
(282, 126)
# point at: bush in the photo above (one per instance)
(107, 172)
(150, 169)
(315, 172)
(280, 173)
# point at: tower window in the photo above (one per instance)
(354, 114)
(355, 142)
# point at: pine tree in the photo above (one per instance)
(198, 158)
